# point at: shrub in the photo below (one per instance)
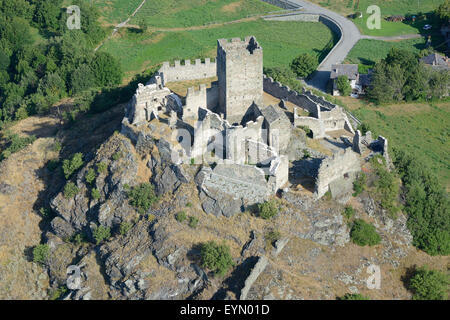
(429, 284)
(304, 65)
(267, 209)
(273, 236)
(427, 205)
(363, 233)
(285, 76)
(353, 296)
(15, 143)
(52, 164)
(70, 190)
(101, 167)
(78, 238)
(193, 222)
(117, 155)
(101, 233)
(359, 184)
(90, 176)
(180, 216)
(71, 165)
(40, 253)
(216, 257)
(95, 194)
(57, 146)
(46, 213)
(343, 85)
(387, 186)
(349, 212)
(306, 154)
(58, 293)
(125, 227)
(142, 197)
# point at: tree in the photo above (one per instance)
(353, 296)
(101, 233)
(216, 257)
(82, 79)
(429, 285)
(107, 69)
(70, 190)
(47, 14)
(443, 11)
(142, 197)
(304, 65)
(363, 233)
(343, 85)
(71, 165)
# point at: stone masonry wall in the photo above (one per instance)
(188, 71)
(341, 165)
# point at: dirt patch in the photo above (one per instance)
(232, 7)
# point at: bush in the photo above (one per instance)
(90, 176)
(107, 69)
(216, 258)
(101, 167)
(125, 227)
(40, 253)
(427, 205)
(359, 184)
(343, 85)
(304, 65)
(267, 209)
(363, 233)
(95, 194)
(387, 186)
(52, 164)
(70, 190)
(15, 143)
(117, 155)
(101, 233)
(285, 76)
(180, 216)
(193, 222)
(142, 197)
(58, 293)
(353, 296)
(273, 236)
(429, 284)
(78, 238)
(72, 165)
(349, 212)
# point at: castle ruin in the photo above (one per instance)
(241, 143)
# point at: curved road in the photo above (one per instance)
(350, 36)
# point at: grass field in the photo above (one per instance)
(368, 52)
(281, 41)
(388, 8)
(421, 128)
(116, 11)
(181, 13)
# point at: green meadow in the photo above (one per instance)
(181, 13)
(281, 41)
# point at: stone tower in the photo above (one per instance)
(240, 73)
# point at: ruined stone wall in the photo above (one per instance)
(282, 92)
(147, 100)
(239, 181)
(316, 125)
(195, 99)
(240, 73)
(342, 166)
(188, 71)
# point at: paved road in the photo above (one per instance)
(350, 36)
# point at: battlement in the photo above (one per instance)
(236, 45)
(186, 70)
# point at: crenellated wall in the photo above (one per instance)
(188, 71)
